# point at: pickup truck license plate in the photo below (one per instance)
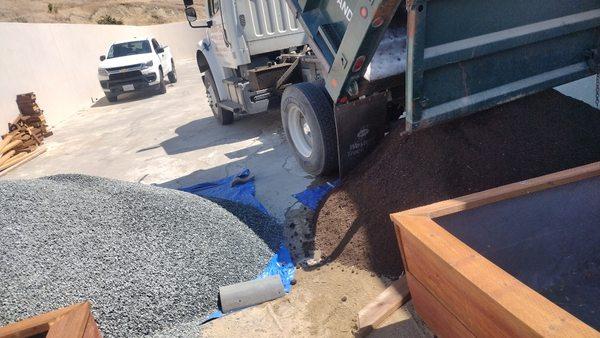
(128, 88)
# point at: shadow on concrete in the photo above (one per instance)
(258, 154)
(243, 152)
(124, 98)
(129, 97)
(207, 132)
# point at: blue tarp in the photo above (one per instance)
(281, 264)
(241, 191)
(240, 188)
(311, 197)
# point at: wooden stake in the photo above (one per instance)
(390, 300)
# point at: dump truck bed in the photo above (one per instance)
(458, 57)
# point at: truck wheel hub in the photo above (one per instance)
(299, 130)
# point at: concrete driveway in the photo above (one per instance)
(172, 140)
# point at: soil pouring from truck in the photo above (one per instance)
(342, 70)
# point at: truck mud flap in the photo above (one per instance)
(360, 125)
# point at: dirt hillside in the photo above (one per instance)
(130, 12)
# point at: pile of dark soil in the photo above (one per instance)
(530, 137)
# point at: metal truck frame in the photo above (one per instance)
(247, 48)
(462, 56)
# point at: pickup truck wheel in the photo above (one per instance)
(172, 74)
(162, 87)
(111, 97)
(223, 116)
(307, 116)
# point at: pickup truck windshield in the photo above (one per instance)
(129, 48)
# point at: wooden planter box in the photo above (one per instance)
(497, 263)
(75, 321)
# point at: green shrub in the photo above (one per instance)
(109, 20)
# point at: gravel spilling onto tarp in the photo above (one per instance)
(147, 258)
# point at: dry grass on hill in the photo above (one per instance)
(130, 12)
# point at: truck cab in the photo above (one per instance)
(247, 46)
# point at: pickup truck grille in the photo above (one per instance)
(123, 76)
(131, 67)
(116, 81)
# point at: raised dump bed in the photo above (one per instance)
(518, 260)
(432, 61)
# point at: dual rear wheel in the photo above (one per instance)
(309, 124)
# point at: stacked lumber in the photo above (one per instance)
(26, 133)
(31, 115)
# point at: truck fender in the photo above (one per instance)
(207, 59)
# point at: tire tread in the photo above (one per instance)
(323, 109)
(226, 116)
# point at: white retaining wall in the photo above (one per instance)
(59, 62)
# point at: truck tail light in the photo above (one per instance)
(360, 61)
(364, 12)
(378, 21)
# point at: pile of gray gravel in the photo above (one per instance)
(149, 259)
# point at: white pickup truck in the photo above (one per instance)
(136, 64)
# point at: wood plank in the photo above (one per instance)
(6, 140)
(374, 313)
(437, 317)
(5, 157)
(505, 192)
(12, 161)
(91, 329)
(72, 323)
(26, 97)
(27, 158)
(33, 325)
(10, 146)
(489, 301)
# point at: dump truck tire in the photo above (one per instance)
(223, 116)
(309, 124)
